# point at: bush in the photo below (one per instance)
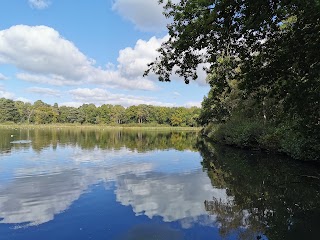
(282, 138)
(241, 134)
(209, 129)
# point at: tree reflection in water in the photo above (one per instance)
(137, 140)
(272, 197)
(265, 196)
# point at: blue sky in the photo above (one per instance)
(74, 52)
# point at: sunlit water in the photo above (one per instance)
(86, 184)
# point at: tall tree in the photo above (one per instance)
(118, 114)
(8, 111)
(91, 113)
(105, 113)
(270, 46)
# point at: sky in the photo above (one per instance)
(74, 52)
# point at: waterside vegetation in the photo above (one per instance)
(263, 64)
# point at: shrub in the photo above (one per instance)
(282, 138)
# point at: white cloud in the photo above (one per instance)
(10, 95)
(133, 61)
(44, 91)
(39, 4)
(5, 94)
(46, 57)
(26, 100)
(71, 104)
(42, 50)
(50, 79)
(202, 74)
(145, 15)
(3, 77)
(193, 104)
(100, 96)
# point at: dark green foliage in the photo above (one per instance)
(263, 61)
(253, 134)
(240, 134)
(90, 113)
(8, 111)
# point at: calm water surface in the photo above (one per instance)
(133, 185)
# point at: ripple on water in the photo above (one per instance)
(21, 142)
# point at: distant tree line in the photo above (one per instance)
(43, 113)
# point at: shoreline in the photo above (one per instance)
(100, 127)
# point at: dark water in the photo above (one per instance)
(127, 185)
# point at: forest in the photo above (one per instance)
(263, 64)
(43, 113)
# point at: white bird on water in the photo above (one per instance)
(11, 135)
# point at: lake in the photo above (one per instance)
(79, 184)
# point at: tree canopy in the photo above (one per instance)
(43, 113)
(270, 45)
(262, 55)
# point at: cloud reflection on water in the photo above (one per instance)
(40, 191)
(174, 197)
